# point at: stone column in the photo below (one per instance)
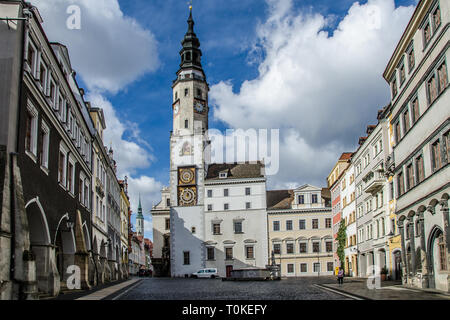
(405, 267)
(423, 252)
(5, 227)
(413, 246)
(445, 213)
(81, 254)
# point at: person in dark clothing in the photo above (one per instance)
(341, 276)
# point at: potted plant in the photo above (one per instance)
(383, 273)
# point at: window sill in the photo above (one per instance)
(45, 169)
(31, 155)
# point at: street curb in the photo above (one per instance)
(342, 292)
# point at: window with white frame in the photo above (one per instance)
(44, 144)
(71, 176)
(31, 129)
(62, 165)
(31, 56)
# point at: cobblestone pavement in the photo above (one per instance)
(388, 291)
(216, 289)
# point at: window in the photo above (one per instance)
(406, 120)
(168, 202)
(276, 226)
(209, 193)
(329, 246)
(44, 145)
(316, 246)
(62, 167)
(225, 192)
(411, 58)
(228, 253)
(432, 89)
(210, 253)
(446, 143)
(52, 93)
(249, 252)
(248, 205)
(316, 267)
(167, 223)
(237, 226)
(442, 75)
(210, 207)
(31, 56)
(71, 177)
(314, 198)
(397, 132)
(410, 176)
(247, 191)
(436, 18)
(436, 155)
(290, 268)
(393, 86)
(427, 33)
(301, 199)
(226, 206)
(186, 92)
(31, 130)
(186, 124)
(289, 248)
(193, 230)
(330, 266)
(327, 222)
(289, 225)
(315, 223)
(186, 258)
(43, 75)
(303, 267)
(402, 73)
(302, 224)
(216, 228)
(303, 247)
(276, 248)
(400, 184)
(176, 95)
(442, 252)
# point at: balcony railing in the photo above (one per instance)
(374, 181)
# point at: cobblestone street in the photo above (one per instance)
(216, 289)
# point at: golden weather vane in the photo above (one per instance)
(190, 4)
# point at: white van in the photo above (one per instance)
(206, 273)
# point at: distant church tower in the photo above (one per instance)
(140, 220)
(187, 158)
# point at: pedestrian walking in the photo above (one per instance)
(341, 276)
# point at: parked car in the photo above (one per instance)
(206, 273)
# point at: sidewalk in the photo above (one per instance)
(99, 292)
(390, 290)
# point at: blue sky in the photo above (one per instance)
(245, 44)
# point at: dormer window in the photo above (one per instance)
(223, 174)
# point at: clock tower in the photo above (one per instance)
(188, 141)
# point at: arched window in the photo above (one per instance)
(186, 124)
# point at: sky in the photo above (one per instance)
(310, 68)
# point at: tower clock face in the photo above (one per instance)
(199, 107)
(187, 196)
(176, 108)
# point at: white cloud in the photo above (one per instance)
(322, 89)
(110, 50)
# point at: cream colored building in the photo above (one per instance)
(418, 76)
(300, 231)
(161, 235)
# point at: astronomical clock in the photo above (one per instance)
(187, 188)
